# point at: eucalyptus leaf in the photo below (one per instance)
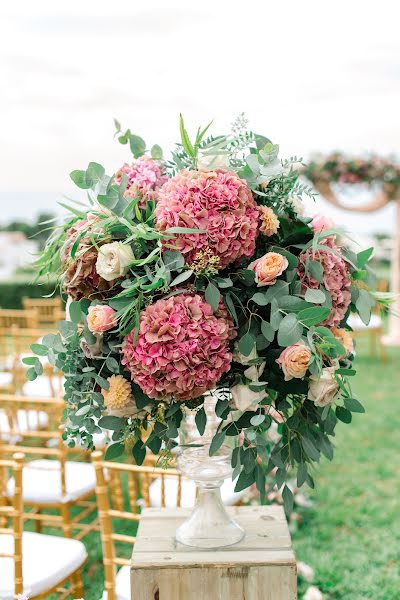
(289, 331)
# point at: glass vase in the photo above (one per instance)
(209, 525)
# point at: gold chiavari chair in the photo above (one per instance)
(48, 310)
(21, 318)
(51, 382)
(31, 564)
(121, 490)
(52, 481)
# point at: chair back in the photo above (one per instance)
(32, 426)
(48, 310)
(20, 318)
(11, 515)
(15, 343)
(121, 489)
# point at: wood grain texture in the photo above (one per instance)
(260, 567)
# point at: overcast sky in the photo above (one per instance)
(310, 75)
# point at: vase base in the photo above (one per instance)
(228, 535)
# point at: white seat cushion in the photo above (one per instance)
(30, 420)
(47, 560)
(188, 492)
(122, 585)
(42, 481)
(40, 387)
(5, 379)
(357, 325)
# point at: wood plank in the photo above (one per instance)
(267, 540)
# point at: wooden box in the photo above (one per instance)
(260, 567)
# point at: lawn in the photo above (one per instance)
(351, 536)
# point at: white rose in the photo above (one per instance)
(243, 398)
(323, 388)
(210, 162)
(113, 260)
(297, 205)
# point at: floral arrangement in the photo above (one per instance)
(338, 168)
(201, 274)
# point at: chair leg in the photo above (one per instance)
(38, 522)
(77, 583)
(66, 520)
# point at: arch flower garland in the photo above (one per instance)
(200, 274)
(339, 168)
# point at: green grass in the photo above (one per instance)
(351, 536)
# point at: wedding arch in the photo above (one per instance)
(383, 176)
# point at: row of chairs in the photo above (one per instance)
(36, 313)
(59, 488)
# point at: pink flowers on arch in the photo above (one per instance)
(216, 201)
(145, 177)
(336, 279)
(182, 348)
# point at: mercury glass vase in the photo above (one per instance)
(209, 525)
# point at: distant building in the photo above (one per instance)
(16, 251)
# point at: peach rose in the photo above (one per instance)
(268, 268)
(101, 318)
(269, 221)
(323, 388)
(294, 361)
(344, 337)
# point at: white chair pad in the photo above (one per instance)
(42, 481)
(122, 585)
(40, 387)
(188, 492)
(30, 420)
(357, 325)
(5, 379)
(47, 560)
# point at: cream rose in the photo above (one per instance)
(323, 388)
(297, 205)
(113, 260)
(268, 268)
(243, 398)
(269, 221)
(101, 318)
(210, 162)
(294, 361)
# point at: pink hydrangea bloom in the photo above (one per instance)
(182, 348)
(145, 177)
(336, 279)
(217, 201)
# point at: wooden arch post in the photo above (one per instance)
(380, 200)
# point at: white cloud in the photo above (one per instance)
(312, 76)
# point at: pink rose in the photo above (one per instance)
(268, 268)
(101, 318)
(294, 361)
(321, 222)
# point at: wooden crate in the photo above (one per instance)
(260, 567)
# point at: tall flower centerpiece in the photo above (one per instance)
(202, 298)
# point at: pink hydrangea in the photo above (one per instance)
(336, 279)
(182, 348)
(145, 177)
(217, 201)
